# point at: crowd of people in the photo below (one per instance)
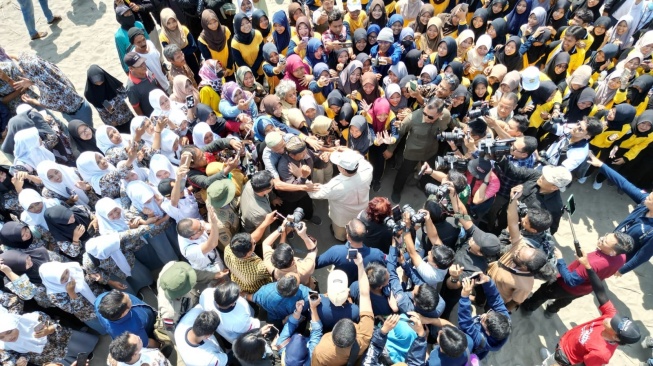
(200, 177)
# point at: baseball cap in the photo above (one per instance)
(627, 331)
(353, 5)
(557, 175)
(489, 243)
(479, 168)
(337, 287)
(530, 78)
(347, 159)
(122, 9)
(133, 59)
(385, 35)
(273, 139)
(177, 280)
(221, 192)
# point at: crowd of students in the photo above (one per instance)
(229, 122)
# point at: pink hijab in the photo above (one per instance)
(379, 107)
(294, 62)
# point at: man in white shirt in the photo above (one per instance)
(236, 316)
(127, 350)
(199, 247)
(195, 341)
(145, 48)
(178, 203)
(349, 192)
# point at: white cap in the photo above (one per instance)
(337, 287)
(557, 175)
(353, 5)
(347, 159)
(530, 78)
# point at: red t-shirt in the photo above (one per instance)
(584, 343)
(603, 265)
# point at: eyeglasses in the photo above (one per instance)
(428, 115)
(513, 148)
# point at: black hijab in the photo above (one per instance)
(203, 113)
(596, 13)
(346, 114)
(452, 52)
(556, 24)
(256, 21)
(646, 116)
(244, 38)
(549, 69)
(500, 27)
(11, 236)
(22, 121)
(359, 35)
(575, 114)
(15, 260)
(624, 113)
(609, 50)
(644, 83)
(461, 110)
(335, 98)
(83, 145)
(514, 62)
(483, 14)
(479, 79)
(535, 52)
(457, 69)
(6, 185)
(411, 60)
(57, 219)
(97, 94)
(540, 95)
(605, 22)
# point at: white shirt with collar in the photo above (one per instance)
(207, 353)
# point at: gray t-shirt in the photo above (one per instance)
(253, 208)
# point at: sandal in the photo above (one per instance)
(39, 35)
(55, 20)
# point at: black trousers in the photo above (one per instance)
(306, 203)
(406, 170)
(378, 161)
(546, 292)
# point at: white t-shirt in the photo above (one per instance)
(149, 357)
(208, 353)
(234, 323)
(153, 62)
(192, 250)
(186, 208)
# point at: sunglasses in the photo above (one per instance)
(428, 115)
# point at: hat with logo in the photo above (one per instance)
(479, 168)
(489, 243)
(530, 78)
(353, 5)
(557, 175)
(177, 280)
(627, 331)
(133, 59)
(347, 159)
(337, 287)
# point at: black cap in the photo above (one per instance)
(165, 187)
(133, 58)
(627, 331)
(133, 32)
(479, 168)
(489, 243)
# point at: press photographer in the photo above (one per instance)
(504, 110)
(572, 146)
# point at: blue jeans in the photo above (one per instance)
(27, 7)
(84, 114)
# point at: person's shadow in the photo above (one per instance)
(47, 49)
(85, 12)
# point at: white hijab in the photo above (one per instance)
(199, 132)
(51, 275)
(26, 342)
(69, 178)
(103, 141)
(28, 196)
(159, 162)
(139, 192)
(178, 117)
(645, 40)
(106, 225)
(168, 139)
(90, 171)
(108, 246)
(29, 149)
(409, 9)
(155, 101)
(137, 122)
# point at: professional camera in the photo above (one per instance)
(450, 161)
(522, 209)
(415, 217)
(480, 109)
(439, 191)
(456, 135)
(397, 227)
(295, 220)
(226, 154)
(560, 119)
(496, 148)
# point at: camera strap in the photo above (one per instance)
(353, 354)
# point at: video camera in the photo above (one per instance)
(450, 161)
(495, 148)
(480, 109)
(439, 191)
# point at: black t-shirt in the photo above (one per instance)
(447, 232)
(468, 260)
(139, 94)
(378, 235)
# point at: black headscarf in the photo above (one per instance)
(596, 13)
(411, 60)
(456, 68)
(514, 62)
(335, 98)
(256, 20)
(6, 185)
(403, 83)
(535, 52)
(609, 50)
(359, 35)
(97, 94)
(605, 22)
(500, 27)
(483, 14)
(549, 69)
(15, 260)
(461, 110)
(644, 83)
(126, 22)
(540, 95)
(575, 114)
(22, 121)
(346, 114)
(479, 79)
(11, 236)
(83, 145)
(244, 38)
(57, 219)
(452, 52)
(624, 113)
(491, 14)
(560, 4)
(646, 116)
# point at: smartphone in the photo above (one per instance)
(272, 333)
(280, 216)
(107, 105)
(476, 276)
(313, 295)
(185, 160)
(69, 192)
(304, 39)
(571, 204)
(352, 254)
(190, 101)
(82, 357)
(331, 80)
(407, 320)
(396, 213)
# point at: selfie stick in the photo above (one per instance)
(579, 253)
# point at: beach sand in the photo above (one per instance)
(85, 37)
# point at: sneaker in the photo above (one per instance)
(647, 342)
(544, 353)
(316, 220)
(395, 197)
(525, 311)
(548, 314)
(596, 185)
(582, 180)
(376, 186)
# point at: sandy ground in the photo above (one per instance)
(85, 36)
